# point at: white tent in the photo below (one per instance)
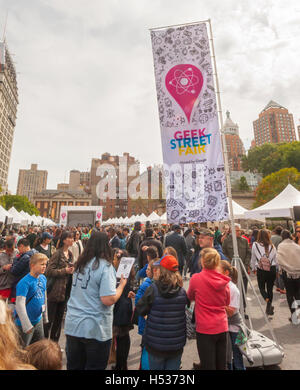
(17, 217)
(3, 214)
(238, 210)
(280, 206)
(153, 217)
(142, 218)
(163, 218)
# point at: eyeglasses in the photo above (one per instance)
(297, 231)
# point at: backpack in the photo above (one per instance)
(264, 262)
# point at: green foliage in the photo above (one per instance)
(273, 184)
(243, 185)
(19, 203)
(270, 158)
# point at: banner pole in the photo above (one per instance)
(225, 153)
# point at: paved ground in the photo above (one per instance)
(287, 334)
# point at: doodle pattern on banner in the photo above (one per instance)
(191, 142)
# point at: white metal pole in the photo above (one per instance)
(227, 170)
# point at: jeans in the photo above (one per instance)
(164, 363)
(87, 354)
(238, 362)
(36, 335)
(55, 315)
(266, 279)
(292, 290)
(212, 350)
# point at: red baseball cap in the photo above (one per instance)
(169, 262)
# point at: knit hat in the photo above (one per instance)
(169, 262)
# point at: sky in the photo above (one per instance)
(86, 80)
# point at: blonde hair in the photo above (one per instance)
(233, 273)
(210, 258)
(170, 277)
(171, 251)
(38, 258)
(11, 353)
(44, 355)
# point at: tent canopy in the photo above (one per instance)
(279, 207)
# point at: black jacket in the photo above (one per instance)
(133, 243)
(123, 307)
(142, 257)
(165, 331)
(177, 241)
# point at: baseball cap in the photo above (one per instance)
(206, 232)
(169, 262)
(176, 227)
(46, 235)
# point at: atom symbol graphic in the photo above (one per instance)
(184, 81)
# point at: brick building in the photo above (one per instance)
(274, 125)
(234, 144)
(49, 202)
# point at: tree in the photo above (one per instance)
(243, 185)
(19, 203)
(273, 184)
(270, 158)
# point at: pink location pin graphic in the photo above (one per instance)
(98, 215)
(184, 83)
(63, 215)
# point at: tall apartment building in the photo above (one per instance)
(31, 181)
(80, 180)
(8, 111)
(298, 128)
(274, 125)
(234, 144)
(117, 207)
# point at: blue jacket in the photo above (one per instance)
(20, 268)
(195, 266)
(141, 291)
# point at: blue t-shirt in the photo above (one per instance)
(30, 286)
(87, 316)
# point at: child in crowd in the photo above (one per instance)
(122, 316)
(164, 304)
(31, 301)
(44, 355)
(210, 291)
(234, 317)
(141, 320)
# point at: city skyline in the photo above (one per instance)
(68, 108)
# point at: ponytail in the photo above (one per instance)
(233, 273)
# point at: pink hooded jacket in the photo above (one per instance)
(210, 291)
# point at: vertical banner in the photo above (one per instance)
(194, 171)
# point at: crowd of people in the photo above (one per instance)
(58, 278)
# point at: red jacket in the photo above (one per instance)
(210, 291)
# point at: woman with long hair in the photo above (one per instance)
(164, 304)
(264, 264)
(59, 275)
(89, 319)
(77, 247)
(210, 291)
